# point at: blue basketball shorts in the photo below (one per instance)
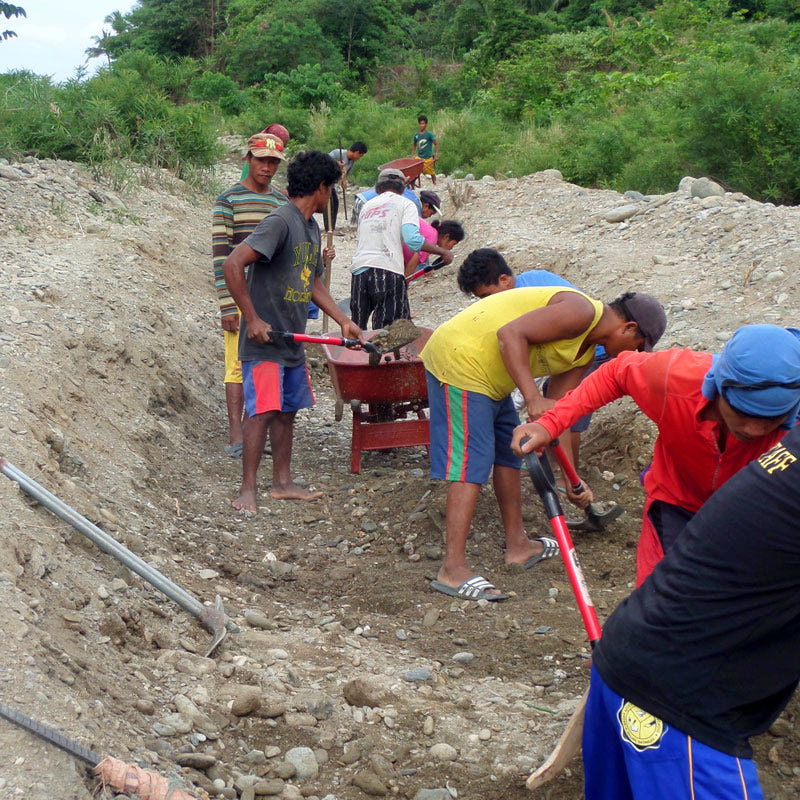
(629, 754)
(470, 433)
(269, 387)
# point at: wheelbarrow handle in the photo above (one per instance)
(289, 336)
(542, 476)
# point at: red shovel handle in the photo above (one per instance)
(308, 339)
(566, 465)
(542, 477)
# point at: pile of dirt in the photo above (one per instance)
(348, 676)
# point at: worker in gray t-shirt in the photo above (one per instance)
(285, 273)
(346, 159)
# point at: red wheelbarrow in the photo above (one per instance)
(382, 397)
(410, 167)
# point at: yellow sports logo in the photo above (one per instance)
(641, 730)
(778, 458)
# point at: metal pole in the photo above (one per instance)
(106, 542)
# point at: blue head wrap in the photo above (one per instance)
(755, 355)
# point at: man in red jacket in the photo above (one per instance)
(714, 415)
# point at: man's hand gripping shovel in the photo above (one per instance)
(596, 519)
(542, 476)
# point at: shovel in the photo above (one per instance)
(595, 519)
(375, 351)
(570, 742)
(211, 617)
(437, 264)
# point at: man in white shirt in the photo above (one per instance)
(378, 285)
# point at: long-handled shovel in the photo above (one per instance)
(211, 617)
(121, 777)
(424, 270)
(595, 519)
(570, 742)
(375, 351)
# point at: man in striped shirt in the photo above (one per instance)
(237, 212)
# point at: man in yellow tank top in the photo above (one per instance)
(473, 361)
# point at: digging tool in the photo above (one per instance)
(328, 264)
(570, 742)
(437, 264)
(121, 777)
(375, 351)
(595, 519)
(306, 338)
(344, 178)
(211, 617)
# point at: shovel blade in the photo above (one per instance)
(596, 519)
(569, 745)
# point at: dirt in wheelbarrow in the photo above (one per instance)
(398, 333)
(111, 367)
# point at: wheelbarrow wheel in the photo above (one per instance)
(338, 409)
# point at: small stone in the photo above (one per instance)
(366, 691)
(464, 657)
(401, 634)
(484, 734)
(304, 761)
(207, 574)
(246, 701)
(427, 726)
(442, 751)
(705, 187)
(351, 752)
(417, 675)
(145, 706)
(431, 617)
(270, 786)
(370, 784)
(258, 620)
(256, 757)
(201, 761)
(621, 213)
(781, 727)
(433, 794)
(284, 770)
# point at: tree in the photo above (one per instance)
(10, 11)
(169, 28)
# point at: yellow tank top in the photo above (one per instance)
(464, 351)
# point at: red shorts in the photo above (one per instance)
(269, 387)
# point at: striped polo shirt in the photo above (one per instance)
(237, 212)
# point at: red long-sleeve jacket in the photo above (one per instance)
(687, 463)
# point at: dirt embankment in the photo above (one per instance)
(110, 361)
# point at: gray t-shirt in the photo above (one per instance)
(280, 282)
(341, 155)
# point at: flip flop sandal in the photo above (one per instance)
(234, 450)
(550, 549)
(474, 588)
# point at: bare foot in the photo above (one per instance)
(246, 501)
(522, 554)
(293, 492)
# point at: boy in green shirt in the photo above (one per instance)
(426, 146)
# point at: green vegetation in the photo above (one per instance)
(8, 11)
(626, 94)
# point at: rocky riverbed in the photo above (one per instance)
(346, 677)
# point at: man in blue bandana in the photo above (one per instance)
(714, 415)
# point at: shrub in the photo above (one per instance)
(214, 87)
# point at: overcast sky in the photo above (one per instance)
(55, 34)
